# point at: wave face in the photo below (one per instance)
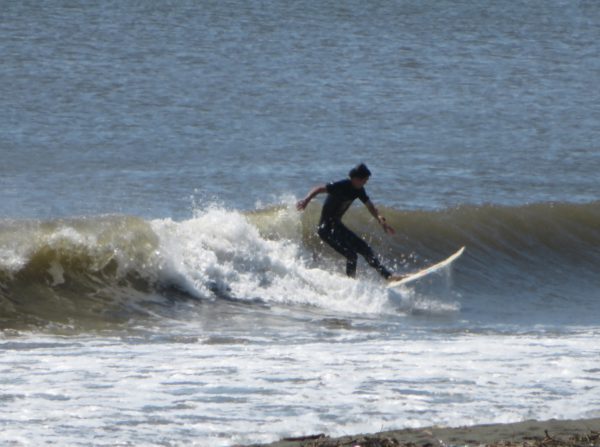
(102, 270)
(80, 271)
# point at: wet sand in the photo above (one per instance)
(552, 433)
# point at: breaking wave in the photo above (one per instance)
(93, 270)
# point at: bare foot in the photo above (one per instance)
(396, 277)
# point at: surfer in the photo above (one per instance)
(340, 196)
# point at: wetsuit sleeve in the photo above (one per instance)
(362, 195)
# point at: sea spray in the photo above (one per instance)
(223, 253)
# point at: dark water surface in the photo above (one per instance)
(134, 107)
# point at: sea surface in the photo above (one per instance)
(158, 286)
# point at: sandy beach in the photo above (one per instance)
(552, 433)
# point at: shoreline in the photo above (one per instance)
(551, 433)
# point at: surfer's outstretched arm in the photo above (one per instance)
(302, 204)
(379, 218)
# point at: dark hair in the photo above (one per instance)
(360, 171)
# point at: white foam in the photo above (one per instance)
(251, 392)
(220, 250)
(69, 235)
(410, 301)
(57, 272)
(11, 259)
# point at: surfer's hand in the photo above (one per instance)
(386, 227)
(301, 204)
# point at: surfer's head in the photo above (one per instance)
(359, 175)
(360, 171)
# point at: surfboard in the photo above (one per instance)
(426, 271)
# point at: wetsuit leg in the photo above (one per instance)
(361, 247)
(334, 235)
(348, 244)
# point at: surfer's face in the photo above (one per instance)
(359, 182)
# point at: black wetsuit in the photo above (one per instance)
(340, 196)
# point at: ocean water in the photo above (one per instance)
(157, 285)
